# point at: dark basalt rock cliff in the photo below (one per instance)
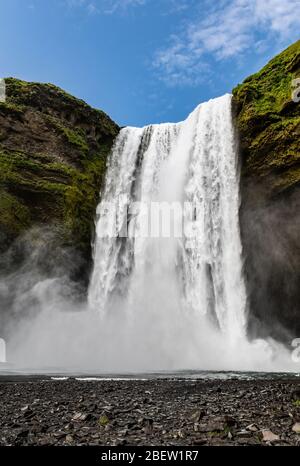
(268, 121)
(53, 150)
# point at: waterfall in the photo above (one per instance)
(167, 290)
(174, 284)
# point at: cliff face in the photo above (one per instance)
(53, 150)
(268, 121)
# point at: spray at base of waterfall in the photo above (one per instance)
(156, 304)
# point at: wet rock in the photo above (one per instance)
(296, 394)
(169, 420)
(120, 442)
(269, 436)
(147, 425)
(59, 435)
(198, 415)
(29, 414)
(69, 439)
(23, 433)
(199, 441)
(81, 417)
(45, 441)
(296, 428)
(252, 428)
(229, 421)
(213, 426)
(25, 408)
(243, 434)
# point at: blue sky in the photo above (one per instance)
(143, 61)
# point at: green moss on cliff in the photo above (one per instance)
(21, 90)
(269, 90)
(53, 152)
(75, 137)
(15, 216)
(10, 106)
(81, 198)
(269, 121)
(53, 192)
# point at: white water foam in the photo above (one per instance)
(158, 303)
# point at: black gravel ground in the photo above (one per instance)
(153, 412)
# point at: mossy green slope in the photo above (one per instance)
(268, 121)
(53, 151)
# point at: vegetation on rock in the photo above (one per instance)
(268, 122)
(53, 150)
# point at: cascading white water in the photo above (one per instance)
(161, 281)
(159, 298)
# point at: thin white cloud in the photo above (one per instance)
(114, 5)
(105, 6)
(227, 30)
(282, 16)
(180, 64)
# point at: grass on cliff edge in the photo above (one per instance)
(269, 122)
(269, 90)
(18, 92)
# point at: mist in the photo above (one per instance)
(155, 304)
(49, 326)
(270, 233)
(63, 337)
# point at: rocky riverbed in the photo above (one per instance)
(149, 412)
